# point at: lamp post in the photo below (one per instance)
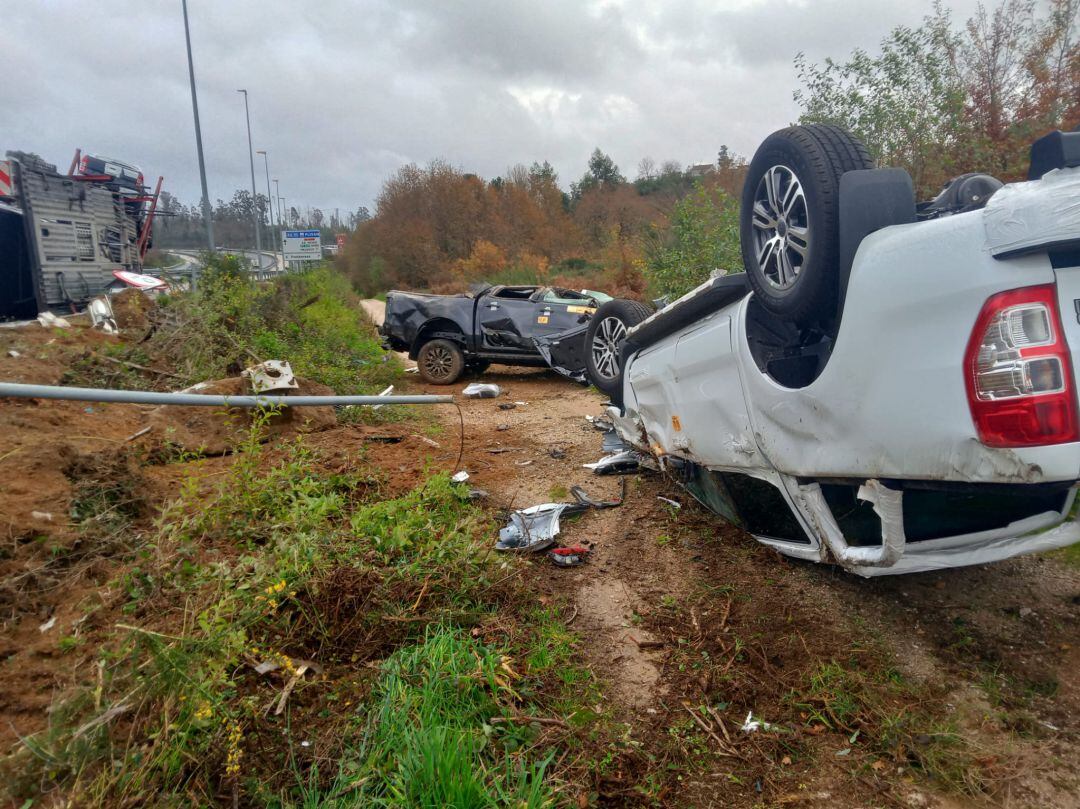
(198, 145)
(270, 204)
(254, 206)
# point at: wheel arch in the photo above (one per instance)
(437, 327)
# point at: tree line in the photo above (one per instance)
(179, 225)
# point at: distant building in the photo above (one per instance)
(701, 170)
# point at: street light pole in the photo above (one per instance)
(198, 144)
(254, 200)
(270, 203)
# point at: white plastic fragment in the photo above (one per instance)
(42, 515)
(14, 353)
(271, 376)
(45, 627)
(49, 320)
(460, 477)
(481, 390)
(101, 315)
(673, 503)
(752, 725)
(384, 392)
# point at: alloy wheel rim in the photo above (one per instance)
(437, 362)
(605, 347)
(781, 226)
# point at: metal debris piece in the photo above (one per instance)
(507, 406)
(568, 557)
(621, 463)
(272, 375)
(612, 442)
(535, 528)
(481, 390)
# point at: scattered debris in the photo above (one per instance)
(673, 503)
(478, 494)
(101, 315)
(523, 463)
(460, 477)
(612, 442)
(384, 392)
(426, 440)
(272, 376)
(573, 556)
(557, 454)
(535, 528)
(521, 404)
(481, 390)
(507, 406)
(13, 353)
(502, 428)
(45, 627)
(49, 320)
(41, 515)
(752, 725)
(621, 463)
(601, 423)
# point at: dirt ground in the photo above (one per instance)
(996, 645)
(687, 622)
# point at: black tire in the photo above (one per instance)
(440, 362)
(789, 222)
(606, 331)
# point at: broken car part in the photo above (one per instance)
(478, 390)
(271, 376)
(535, 528)
(573, 556)
(204, 399)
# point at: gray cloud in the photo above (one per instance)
(343, 93)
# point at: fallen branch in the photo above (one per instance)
(136, 366)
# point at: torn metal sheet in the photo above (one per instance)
(565, 352)
(622, 463)
(534, 528)
(101, 315)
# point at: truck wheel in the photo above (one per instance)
(606, 331)
(440, 362)
(789, 224)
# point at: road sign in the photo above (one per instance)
(301, 245)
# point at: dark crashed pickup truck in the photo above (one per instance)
(512, 325)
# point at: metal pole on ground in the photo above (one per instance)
(198, 147)
(254, 205)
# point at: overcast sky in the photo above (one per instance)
(343, 93)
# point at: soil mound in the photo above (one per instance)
(217, 430)
(132, 310)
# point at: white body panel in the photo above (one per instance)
(890, 403)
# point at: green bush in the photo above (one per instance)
(313, 320)
(703, 236)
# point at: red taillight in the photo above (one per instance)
(1019, 378)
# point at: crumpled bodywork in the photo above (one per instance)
(888, 417)
(1022, 217)
(545, 327)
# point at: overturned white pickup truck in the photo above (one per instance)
(888, 386)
